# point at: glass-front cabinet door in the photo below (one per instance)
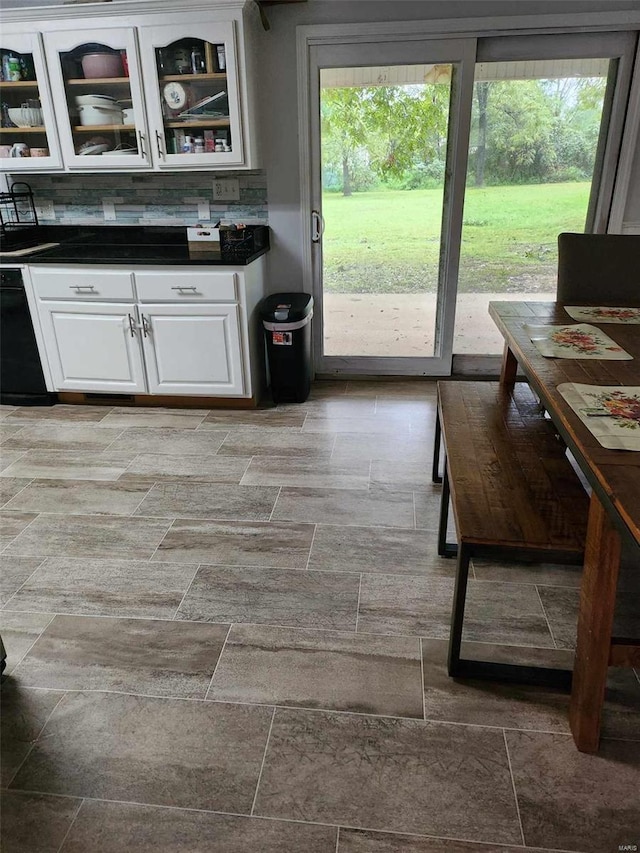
(191, 80)
(28, 139)
(98, 98)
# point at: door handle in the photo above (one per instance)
(160, 144)
(83, 288)
(141, 142)
(183, 287)
(317, 226)
(132, 326)
(146, 326)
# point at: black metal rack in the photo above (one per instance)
(17, 211)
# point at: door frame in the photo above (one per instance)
(475, 29)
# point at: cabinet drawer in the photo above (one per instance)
(186, 286)
(83, 284)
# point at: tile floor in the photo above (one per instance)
(226, 632)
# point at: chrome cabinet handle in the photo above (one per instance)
(132, 326)
(317, 226)
(83, 288)
(160, 144)
(146, 326)
(141, 139)
(184, 287)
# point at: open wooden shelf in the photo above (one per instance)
(19, 84)
(192, 78)
(98, 81)
(214, 122)
(22, 130)
(98, 128)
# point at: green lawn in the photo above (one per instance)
(388, 241)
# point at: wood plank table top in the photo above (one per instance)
(615, 474)
(615, 501)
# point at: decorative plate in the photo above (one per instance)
(175, 95)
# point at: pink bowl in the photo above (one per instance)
(102, 65)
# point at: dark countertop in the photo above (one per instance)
(126, 245)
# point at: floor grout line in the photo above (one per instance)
(546, 618)
(513, 785)
(423, 686)
(25, 581)
(358, 603)
(337, 840)
(215, 669)
(275, 503)
(264, 758)
(70, 827)
(313, 539)
(35, 740)
(186, 592)
(15, 665)
(17, 494)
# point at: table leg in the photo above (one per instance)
(509, 368)
(595, 623)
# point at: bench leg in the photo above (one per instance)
(435, 469)
(444, 548)
(457, 613)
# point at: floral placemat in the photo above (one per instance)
(610, 412)
(603, 313)
(580, 341)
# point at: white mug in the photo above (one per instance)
(20, 149)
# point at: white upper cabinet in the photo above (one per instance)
(168, 91)
(28, 139)
(192, 89)
(98, 100)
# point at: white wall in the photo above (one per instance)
(280, 92)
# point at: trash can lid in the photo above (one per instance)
(286, 307)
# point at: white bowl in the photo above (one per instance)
(26, 116)
(123, 151)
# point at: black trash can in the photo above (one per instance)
(286, 318)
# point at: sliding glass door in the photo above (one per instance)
(442, 172)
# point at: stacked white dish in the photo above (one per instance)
(98, 110)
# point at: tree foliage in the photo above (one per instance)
(524, 131)
(392, 127)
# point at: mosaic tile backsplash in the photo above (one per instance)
(167, 199)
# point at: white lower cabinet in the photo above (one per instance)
(93, 346)
(132, 345)
(192, 349)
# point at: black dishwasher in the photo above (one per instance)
(21, 378)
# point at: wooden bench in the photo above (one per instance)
(514, 495)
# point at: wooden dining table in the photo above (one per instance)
(614, 510)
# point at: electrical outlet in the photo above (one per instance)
(203, 210)
(45, 210)
(109, 211)
(227, 189)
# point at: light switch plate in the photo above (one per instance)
(226, 189)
